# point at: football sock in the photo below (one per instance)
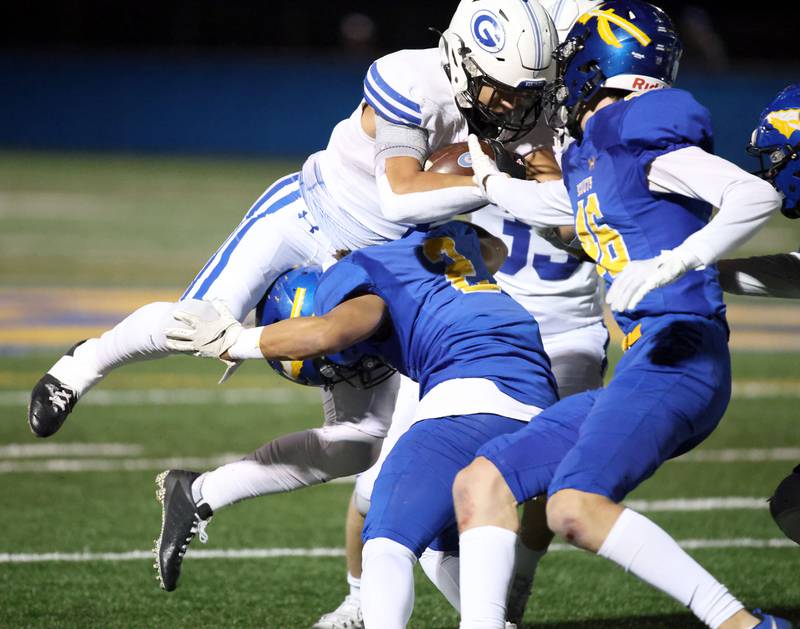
(641, 547)
(76, 373)
(240, 480)
(442, 569)
(355, 587)
(525, 564)
(137, 337)
(387, 591)
(487, 561)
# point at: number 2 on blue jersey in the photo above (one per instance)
(545, 267)
(460, 271)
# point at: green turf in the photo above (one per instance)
(117, 512)
(121, 221)
(85, 220)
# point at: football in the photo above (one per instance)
(454, 159)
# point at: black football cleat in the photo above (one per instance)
(51, 402)
(181, 520)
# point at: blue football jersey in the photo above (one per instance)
(619, 219)
(448, 318)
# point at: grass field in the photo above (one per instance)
(78, 518)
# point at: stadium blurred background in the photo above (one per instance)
(133, 136)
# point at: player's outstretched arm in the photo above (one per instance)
(745, 203)
(348, 323)
(541, 205)
(292, 339)
(775, 275)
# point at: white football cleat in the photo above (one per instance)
(346, 616)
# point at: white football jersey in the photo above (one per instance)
(406, 87)
(557, 289)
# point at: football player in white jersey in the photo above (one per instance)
(366, 187)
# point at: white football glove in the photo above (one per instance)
(483, 166)
(639, 277)
(206, 338)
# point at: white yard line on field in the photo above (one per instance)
(742, 389)
(698, 504)
(61, 465)
(32, 450)
(114, 465)
(179, 397)
(737, 455)
(273, 553)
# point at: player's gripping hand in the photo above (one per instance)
(639, 277)
(204, 337)
(483, 166)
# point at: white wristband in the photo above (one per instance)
(247, 346)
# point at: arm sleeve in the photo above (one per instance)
(762, 276)
(394, 140)
(425, 207)
(538, 204)
(745, 202)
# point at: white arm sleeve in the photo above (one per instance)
(762, 276)
(745, 202)
(538, 204)
(425, 207)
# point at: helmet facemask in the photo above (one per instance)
(563, 107)
(497, 111)
(780, 161)
(367, 372)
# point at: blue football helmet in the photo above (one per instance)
(776, 141)
(621, 44)
(292, 295)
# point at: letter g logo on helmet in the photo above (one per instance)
(488, 32)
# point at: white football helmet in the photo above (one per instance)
(498, 55)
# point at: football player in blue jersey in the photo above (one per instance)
(428, 305)
(641, 182)
(776, 142)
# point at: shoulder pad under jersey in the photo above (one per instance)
(664, 118)
(339, 283)
(389, 90)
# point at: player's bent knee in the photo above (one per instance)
(479, 489)
(569, 513)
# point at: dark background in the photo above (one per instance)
(747, 33)
(240, 77)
